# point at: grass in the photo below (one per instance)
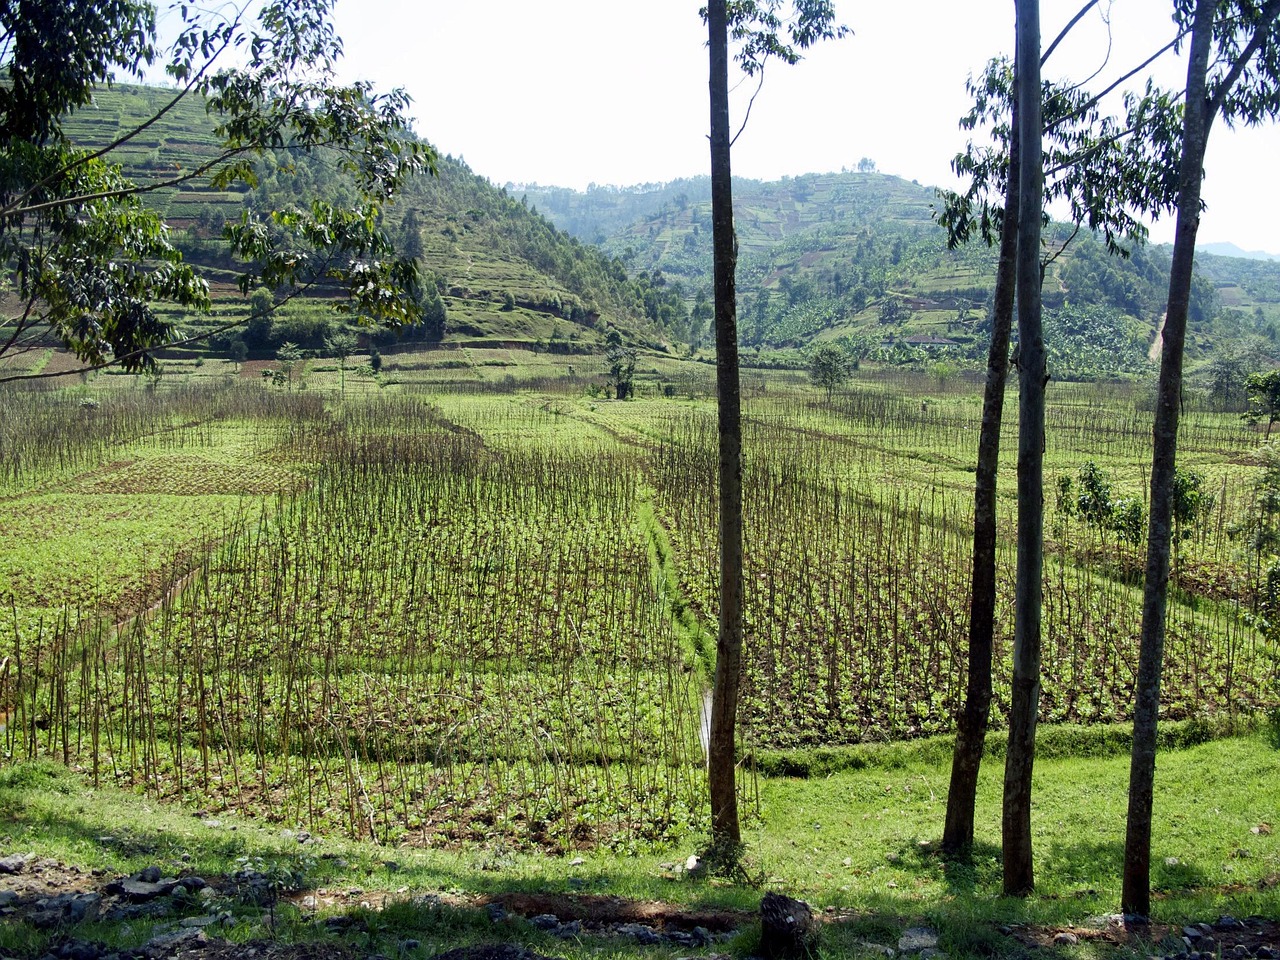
(857, 841)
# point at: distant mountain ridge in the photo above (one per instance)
(857, 257)
(1231, 250)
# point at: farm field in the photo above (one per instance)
(469, 598)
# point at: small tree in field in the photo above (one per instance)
(1263, 391)
(622, 366)
(289, 354)
(342, 345)
(829, 367)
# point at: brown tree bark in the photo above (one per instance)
(971, 727)
(1198, 117)
(1136, 893)
(1024, 708)
(721, 753)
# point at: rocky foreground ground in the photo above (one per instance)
(188, 915)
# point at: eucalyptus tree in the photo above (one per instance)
(1233, 72)
(761, 30)
(1025, 698)
(85, 261)
(1094, 165)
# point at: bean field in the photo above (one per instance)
(436, 612)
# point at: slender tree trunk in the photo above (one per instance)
(971, 729)
(1136, 893)
(1025, 706)
(721, 759)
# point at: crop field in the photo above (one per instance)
(471, 598)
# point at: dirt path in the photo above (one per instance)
(1157, 345)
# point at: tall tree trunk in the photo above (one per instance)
(721, 759)
(1136, 893)
(1025, 706)
(971, 729)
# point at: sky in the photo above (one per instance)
(574, 92)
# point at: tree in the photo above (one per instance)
(894, 310)
(829, 367)
(410, 241)
(1239, 41)
(289, 356)
(622, 366)
(1225, 376)
(342, 345)
(1263, 393)
(756, 26)
(1025, 699)
(435, 316)
(261, 306)
(89, 262)
(1106, 177)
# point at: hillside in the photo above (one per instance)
(851, 256)
(857, 256)
(502, 270)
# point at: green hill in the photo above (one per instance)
(503, 271)
(858, 256)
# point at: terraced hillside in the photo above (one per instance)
(503, 272)
(856, 256)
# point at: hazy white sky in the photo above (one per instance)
(570, 92)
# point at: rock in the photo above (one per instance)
(929, 953)
(13, 864)
(149, 875)
(917, 939)
(638, 932)
(65, 909)
(496, 913)
(169, 943)
(504, 951)
(545, 921)
(8, 898)
(197, 923)
(566, 931)
(1191, 933)
(576, 862)
(787, 927)
(80, 950)
(1065, 939)
(140, 891)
